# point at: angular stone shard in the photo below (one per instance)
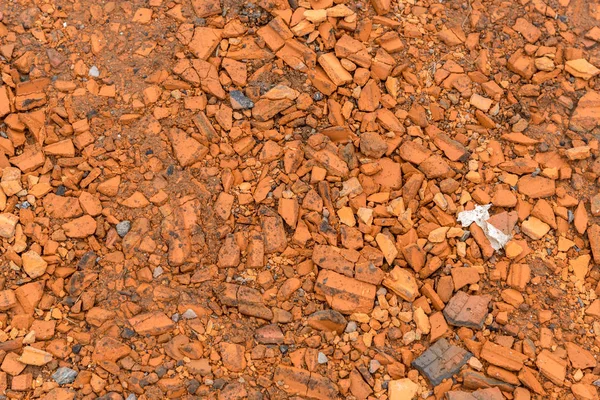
(454, 150)
(581, 68)
(8, 223)
(206, 8)
(205, 41)
(35, 356)
(583, 391)
(402, 389)
(580, 358)
(594, 236)
(477, 380)
(7, 300)
(274, 233)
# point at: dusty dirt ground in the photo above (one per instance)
(270, 199)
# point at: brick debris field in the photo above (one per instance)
(300, 199)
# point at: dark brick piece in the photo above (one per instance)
(441, 361)
(465, 310)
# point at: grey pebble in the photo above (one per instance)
(351, 327)
(64, 375)
(322, 358)
(374, 366)
(189, 314)
(123, 227)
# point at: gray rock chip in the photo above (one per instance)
(64, 375)
(351, 327)
(189, 314)
(322, 358)
(374, 366)
(123, 227)
(239, 101)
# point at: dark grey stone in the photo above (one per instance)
(441, 361)
(64, 375)
(239, 101)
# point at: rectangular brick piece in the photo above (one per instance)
(333, 68)
(305, 383)
(344, 294)
(552, 367)
(152, 323)
(328, 258)
(502, 357)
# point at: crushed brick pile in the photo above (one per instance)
(299, 199)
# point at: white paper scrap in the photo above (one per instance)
(480, 215)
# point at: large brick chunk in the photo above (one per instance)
(329, 258)
(502, 357)
(297, 381)
(441, 361)
(153, 323)
(344, 294)
(466, 310)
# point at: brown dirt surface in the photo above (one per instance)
(271, 199)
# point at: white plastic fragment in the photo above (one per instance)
(480, 215)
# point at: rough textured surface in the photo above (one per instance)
(441, 361)
(466, 310)
(224, 200)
